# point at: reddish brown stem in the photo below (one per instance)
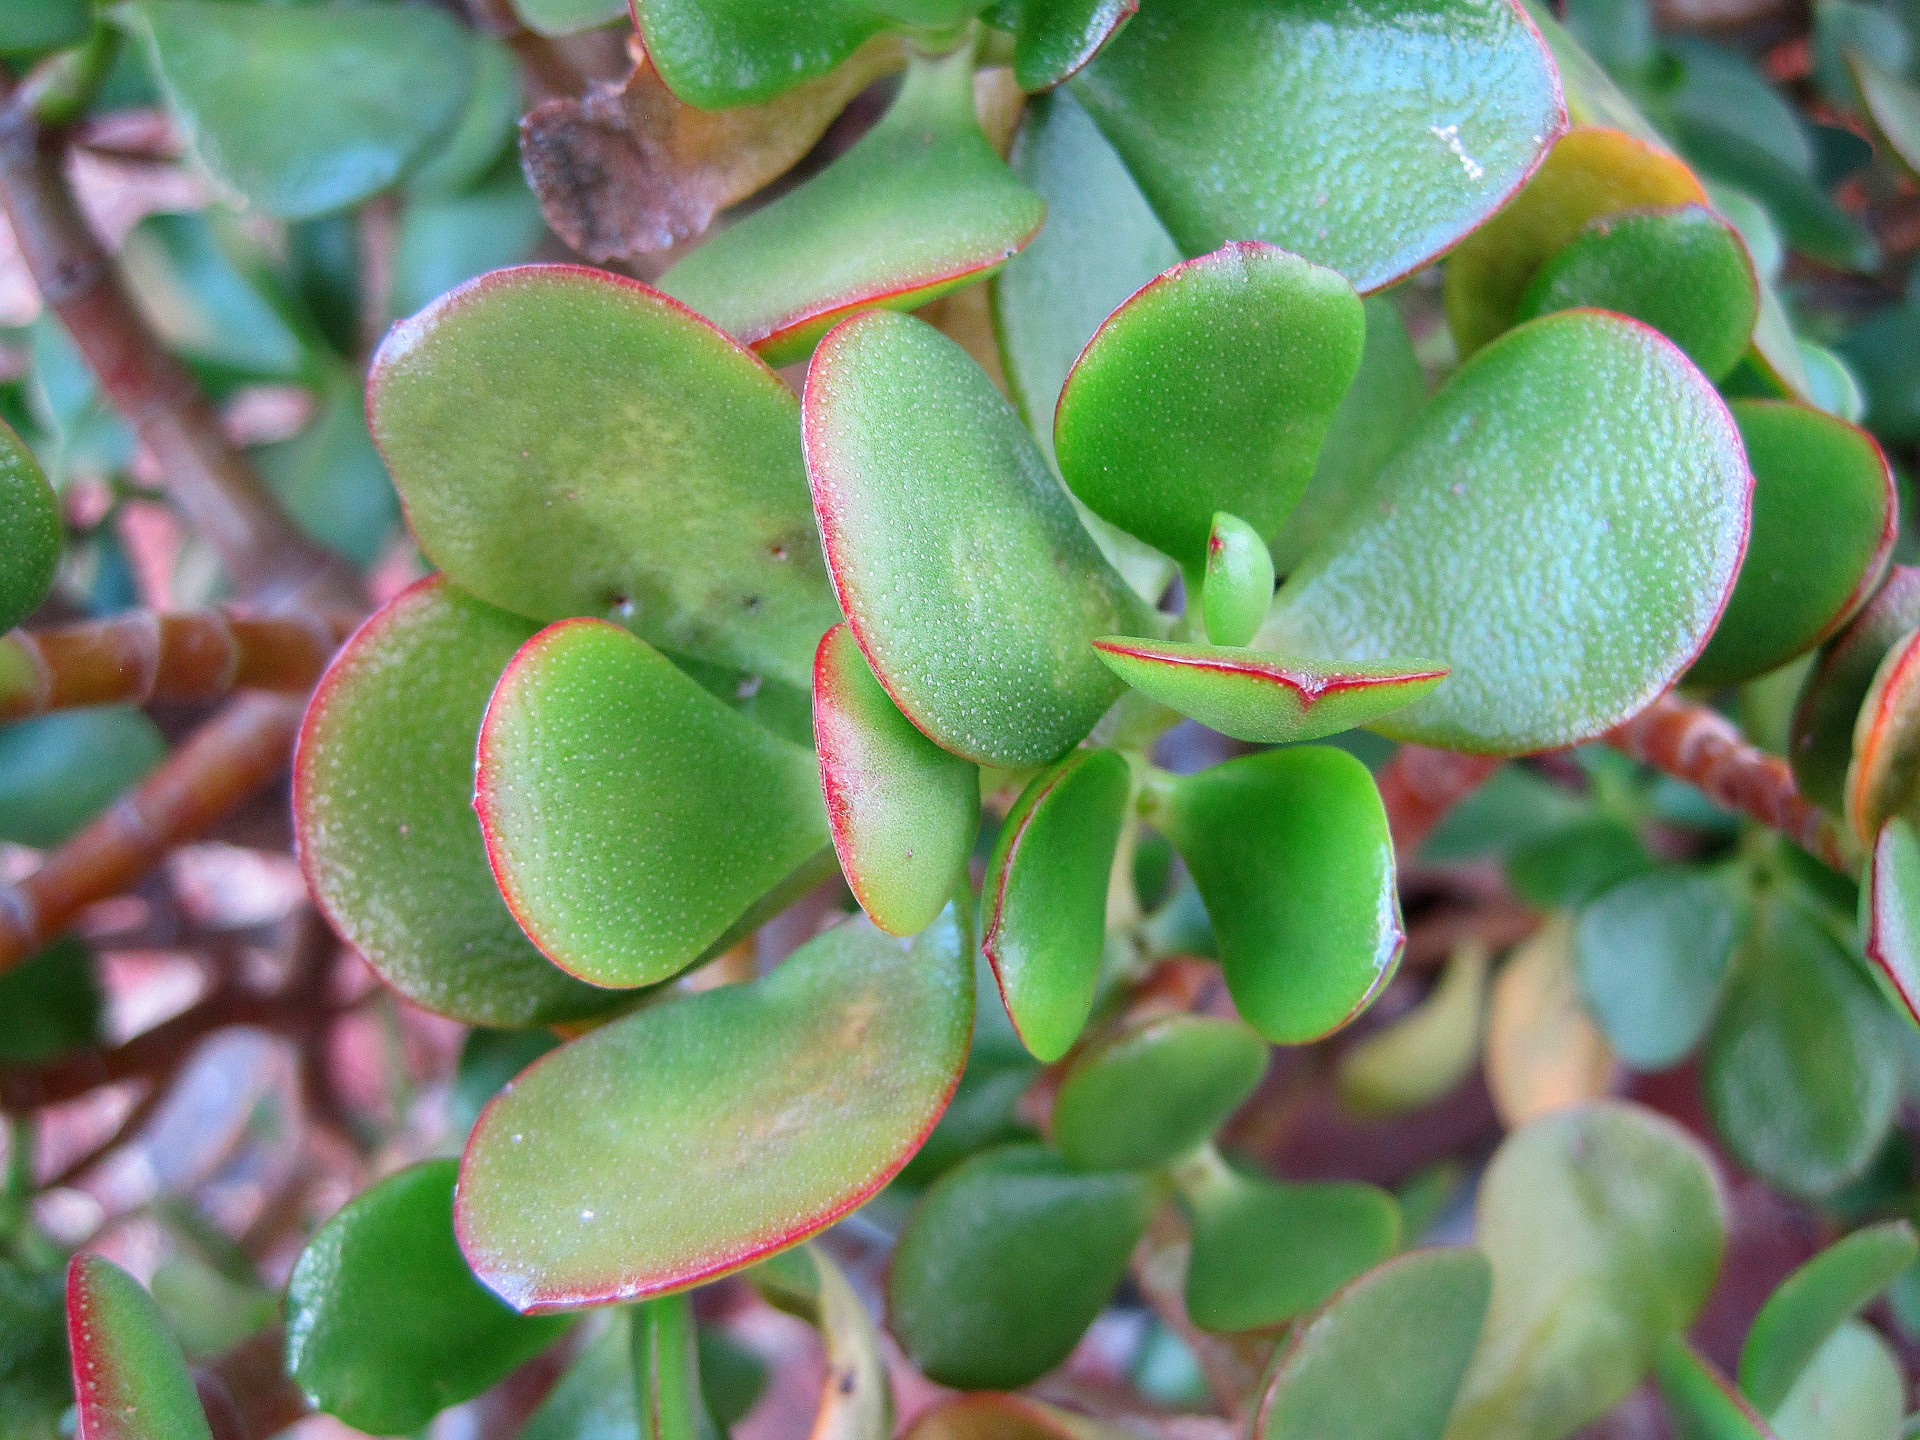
(246, 1392)
(1419, 786)
(137, 657)
(225, 761)
(1702, 747)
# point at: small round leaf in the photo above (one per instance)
(30, 519)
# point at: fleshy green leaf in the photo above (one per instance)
(1209, 390)
(1851, 1390)
(632, 820)
(920, 206)
(1825, 516)
(211, 297)
(1054, 39)
(1044, 917)
(1814, 1302)
(1151, 1093)
(1685, 272)
(903, 812)
(1422, 1056)
(383, 809)
(1801, 1071)
(50, 1003)
(130, 1380)
(1591, 172)
(305, 110)
(484, 130)
(1578, 434)
(1652, 954)
(631, 461)
(1245, 120)
(1605, 1228)
(30, 519)
(594, 1399)
(1239, 581)
(1700, 1400)
(386, 1325)
(567, 17)
(1385, 1358)
(1893, 105)
(1007, 1261)
(963, 571)
(1260, 697)
(31, 26)
(1883, 777)
(59, 771)
(1890, 915)
(1821, 745)
(711, 1129)
(720, 53)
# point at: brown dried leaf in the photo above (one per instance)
(633, 170)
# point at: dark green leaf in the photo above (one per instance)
(719, 53)
(50, 1003)
(447, 240)
(30, 519)
(1151, 1093)
(30, 26)
(59, 771)
(331, 480)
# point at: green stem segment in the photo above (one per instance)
(666, 1372)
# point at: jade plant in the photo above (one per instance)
(1192, 717)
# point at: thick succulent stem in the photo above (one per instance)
(1420, 786)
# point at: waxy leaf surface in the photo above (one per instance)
(1605, 1228)
(386, 1325)
(629, 461)
(1054, 39)
(1825, 516)
(1291, 854)
(1685, 272)
(903, 812)
(30, 519)
(304, 110)
(721, 53)
(1153, 1092)
(630, 817)
(383, 813)
(666, 1371)
(1209, 390)
(1821, 743)
(1006, 1262)
(1260, 697)
(130, 1380)
(1561, 527)
(922, 204)
(1385, 1358)
(1044, 916)
(1365, 135)
(963, 571)
(1239, 581)
(1883, 778)
(1890, 915)
(705, 1132)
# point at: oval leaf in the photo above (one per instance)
(964, 573)
(1821, 745)
(1890, 915)
(632, 819)
(1852, 1390)
(130, 1381)
(1245, 120)
(1422, 1056)
(631, 461)
(1290, 852)
(721, 53)
(1579, 433)
(30, 519)
(1543, 1052)
(1053, 39)
(1046, 898)
(1883, 777)
(636, 1160)
(1239, 581)
(903, 812)
(383, 813)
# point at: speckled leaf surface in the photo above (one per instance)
(30, 519)
(386, 1325)
(1210, 389)
(1151, 1093)
(1581, 434)
(1385, 1358)
(1006, 1262)
(1291, 855)
(1685, 272)
(963, 571)
(1821, 743)
(1605, 1227)
(1825, 516)
(130, 1380)
(903, 812)
(1244, 120)
(720, 53)
(632, 819)
(1044, 910)
(920, 205)
(1890, 916)
(705, 1132)
(383, 813)
(1054, 39)
(630, 461)
(1883, 777)
(1260, 697)
(1591, 172)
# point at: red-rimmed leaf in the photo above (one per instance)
(1890, 915)
(383, 812)
(962, 568)
(30, 519)
(1263, 698)
(712, 1129)
(632, 820)
(629, 461)
(903, 812)
(1290, 852)
(130, 1381)
(1210, 389)
(1046, 899)
(1703, 1399)
(1244, 120)
(1054, 39)
(1821, 743)
(1883, 778)
(920, 206)
(1581, 433)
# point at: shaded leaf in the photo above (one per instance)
(666, 1372)
(1054, 39)
(50, 1003)
(447, 240)
(1890, 916)
(1835, 689)
(1700, 1400)
(330, 478)
(1422, 1056)
(30, 519)
(59, 771)
(1892, 104)
(567, 17)
(992, 1416)
(1543, 1053)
